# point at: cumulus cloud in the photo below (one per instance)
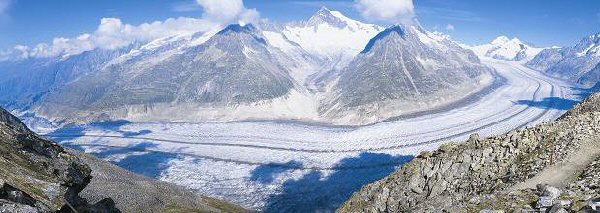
(392, 11)
(227, 11)
(113, 33)
(450, 27)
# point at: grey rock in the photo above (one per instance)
(547, 190)
(396, 70)
(14, 207)
(39, 173)
(234, 67)
(481, 171)
(557, 208)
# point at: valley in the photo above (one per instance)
(289, 106)
(266, 165)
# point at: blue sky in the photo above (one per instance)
(539, 22)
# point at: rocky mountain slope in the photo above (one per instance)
(40, 176)
(579, 63)
(402, 70)
(503, 48)
(507, 172)
(298, 71)
(234, 67)
(144, 194)
(24, 81)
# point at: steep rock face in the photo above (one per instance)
(578, 63)
(400, 70)
(234, 67)
(38, 175)
(503, 48)
(486, 173)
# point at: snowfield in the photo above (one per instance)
(288, 166)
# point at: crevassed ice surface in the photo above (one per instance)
(287, 166)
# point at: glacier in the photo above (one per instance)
(276, 166)
(291, 117)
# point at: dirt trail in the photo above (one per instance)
(563, 173)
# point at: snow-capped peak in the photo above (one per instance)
(323, 16)
(336, 19)
(396, 29)
(501, 40)
(332, 36)
(323, 12)
(237, 28)
(504, 48)
(589, 46)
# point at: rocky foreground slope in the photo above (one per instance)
(37, 175)
(554, 166)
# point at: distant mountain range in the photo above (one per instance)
(503, 48)
(328, 68)
(579, 63)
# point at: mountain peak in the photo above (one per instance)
(505, 48)
(323, 10)
(324, 15)
(595, 38)
(389, 31)
(505, 40)
(237, 28)
(247, 29)
(501, 40)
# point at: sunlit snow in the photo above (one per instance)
(274, 166)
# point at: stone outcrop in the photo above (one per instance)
(483, 174)
(144, 194)
(37, 175)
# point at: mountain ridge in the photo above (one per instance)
(398, 72)
(577, 63)
(504, 48)
(199, 77)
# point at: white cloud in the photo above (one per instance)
(113, 33)
(227, 11)
(394, 11)
(450, 27)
